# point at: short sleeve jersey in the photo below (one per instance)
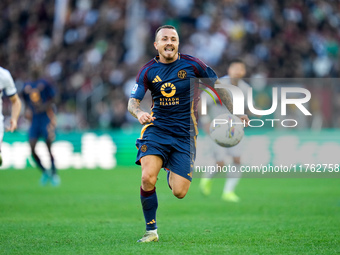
(7, 85)
(36, 93)
(174, 97)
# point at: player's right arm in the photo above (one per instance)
(135, 110)
(137, 95)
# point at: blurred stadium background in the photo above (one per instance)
(92, 50)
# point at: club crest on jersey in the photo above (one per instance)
(182, 74)
(144, 148)
(35, 95)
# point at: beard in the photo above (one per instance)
(169, 56)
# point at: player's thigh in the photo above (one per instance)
(34, 133)
(153, 142)
(181, 163)
(181, 168)
(151, 165)
(33, 142)
(179, 185)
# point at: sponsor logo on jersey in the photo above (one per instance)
(168, 90)
(157, 79)
(182, 74)
(166, 87)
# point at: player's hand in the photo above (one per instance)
(12, 127)
(244, 119)
(144, 118)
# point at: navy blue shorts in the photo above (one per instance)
(42, 127)
(178, 153)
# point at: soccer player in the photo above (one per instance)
(7, 85)
(39, 96)
(236, 71)
(165, 138)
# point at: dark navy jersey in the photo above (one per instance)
(174, 99)
(36, 94)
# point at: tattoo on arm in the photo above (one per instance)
(134, 107)
(225, 98)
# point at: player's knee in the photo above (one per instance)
(179, 193)
(148, 179)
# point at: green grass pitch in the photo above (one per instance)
(99, 212)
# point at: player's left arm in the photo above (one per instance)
(16, 108)
(228, 102)
(226, 99)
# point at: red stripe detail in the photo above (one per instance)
(197, 73)
(213, 90)
(145, 80)
(151, 62)
(195, 60)
(210, 87)
(198, 61)
(147, 193)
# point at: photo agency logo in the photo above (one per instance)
(280, 96)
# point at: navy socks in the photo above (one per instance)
(149, 203)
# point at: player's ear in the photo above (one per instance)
(155, 45)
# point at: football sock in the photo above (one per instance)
(232, 181)
(54, 171)
(149, 204)
(37, 160)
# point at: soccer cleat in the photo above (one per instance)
(44, 178)
(0, 160)
(230, 197)
(205, 186)
(149, 236)
(55, 180)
